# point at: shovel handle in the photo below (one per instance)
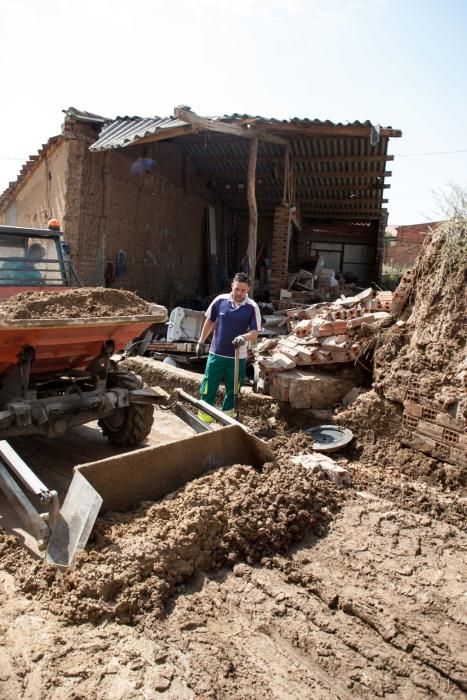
(236, 379)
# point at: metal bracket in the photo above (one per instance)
(121, 395)
(22, 412)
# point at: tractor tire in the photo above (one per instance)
(129, 426)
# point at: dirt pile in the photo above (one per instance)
(427, 348)
(137, 560)
(85, 302)
(420, 365)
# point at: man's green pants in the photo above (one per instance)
(220, 370)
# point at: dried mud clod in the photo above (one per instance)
(83, 302)
(137, 560)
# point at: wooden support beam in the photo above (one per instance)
(344, 188)
(334, 131)
(164, 134)
(252, 211)
(298, 159)
(336, 214)
(285, 192)
(339, 174)
(299, 176)
(246, 131)
(236, 174)
(349, 203)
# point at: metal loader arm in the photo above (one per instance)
(19, 501)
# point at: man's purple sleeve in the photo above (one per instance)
(255, 321)
(213, 310)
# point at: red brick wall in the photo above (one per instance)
(404, 248)
(280, 250)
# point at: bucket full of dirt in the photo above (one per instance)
(121, 482)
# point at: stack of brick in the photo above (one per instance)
(382, 301)
(325, 333)
(429, 428)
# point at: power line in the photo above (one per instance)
(433, 153)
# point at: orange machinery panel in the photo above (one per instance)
(67, 344)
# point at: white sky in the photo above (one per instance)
(399, 63)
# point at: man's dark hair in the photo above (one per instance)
(36, 250)
(241, 277)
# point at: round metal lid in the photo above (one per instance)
(327, 438)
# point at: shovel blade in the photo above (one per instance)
(75, 522)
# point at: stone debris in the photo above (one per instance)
(334, 471)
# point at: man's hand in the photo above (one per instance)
(239, 341)
(199, 349)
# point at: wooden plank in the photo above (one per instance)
(163, 134)
(300, 159)
(334, 215)
(271, 179)
(285, 191)
(226, 127)
(346, 188)
(352, 175)
(333, 131)
(301, 175)
(252, 211)
(350, 202)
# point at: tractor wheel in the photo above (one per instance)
(129, 426)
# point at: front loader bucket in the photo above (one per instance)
(148, 474)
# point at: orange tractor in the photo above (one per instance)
(57, 373)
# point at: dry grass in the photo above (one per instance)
(443, 258)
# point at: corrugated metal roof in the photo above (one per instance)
(339, 167)
(293, 120)
(125, 131)
(335, 177)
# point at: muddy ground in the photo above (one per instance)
(276, 584)
(363, 598)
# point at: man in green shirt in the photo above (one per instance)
(24, 272)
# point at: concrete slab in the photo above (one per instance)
(307, 389)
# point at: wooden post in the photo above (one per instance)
(286, 190)
(252, 211)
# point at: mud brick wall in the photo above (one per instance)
(280, 250)
(157, 219)
(404, 249)
(41, 194)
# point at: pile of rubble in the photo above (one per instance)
(420, 363)
(322, 335)
(327, 332)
